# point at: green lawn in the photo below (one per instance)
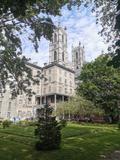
(79, 142)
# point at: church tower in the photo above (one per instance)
(58, 47)
(78, 58)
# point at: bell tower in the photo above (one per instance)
(58, 47)
(78, 58)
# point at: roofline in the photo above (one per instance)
(33, 65)
(52, 94)
(58, 65)
(50, 65)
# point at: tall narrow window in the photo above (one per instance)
(9, 107)
(60, 89)
(19, 113)
(62, 38)
(60, 79)
(49, 88)
(63, 56)
(9, 111)
(44, 90)
(29, 100)
(55, 37)
(49, 79)
(76, 55)
(55, 56)
(49, 71)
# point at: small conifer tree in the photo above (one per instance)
(48, 129)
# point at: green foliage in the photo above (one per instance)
(6, 123)
(1, 122)
(101, 85)
(79, 106)
(25, 123)
(63, 123)
(116, 56)
(34, 18)
(16, 18)
(48, 130)
(107, 12)
(119, 125)
(80, 142)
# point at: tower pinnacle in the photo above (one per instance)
(58, 47)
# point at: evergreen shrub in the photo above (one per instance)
(48, 129)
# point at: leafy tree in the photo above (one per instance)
(48, 129)
(16, 18)
(77, 106)
(116, 58)
(108, 15)
(101, 84)
(34, 18)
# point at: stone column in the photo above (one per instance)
(55, 101)
(45, 99)
(63, 111)
(62, 98)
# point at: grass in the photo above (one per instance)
(79, 142)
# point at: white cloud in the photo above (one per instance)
(81, 26)
(41, 56)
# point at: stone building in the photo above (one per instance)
(58, 47)
(22, 106)
(78, 58)
(57, 84)
(8, 107)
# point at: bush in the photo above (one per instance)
(63, 123)
(26, 123)
(6, 123)
(0, 122)
(119, 125)
(19, 123)
(48, 130)
(31, 123)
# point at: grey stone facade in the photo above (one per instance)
(78, 58)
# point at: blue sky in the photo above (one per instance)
(81, 26)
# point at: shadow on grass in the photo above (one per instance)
(78, 143)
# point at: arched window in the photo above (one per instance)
(76, 55)
(55, 37)
(55, 56)
(63, 56)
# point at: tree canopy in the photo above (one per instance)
(16, 18)
(34, 17)
(101, 84)
(77, 105)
